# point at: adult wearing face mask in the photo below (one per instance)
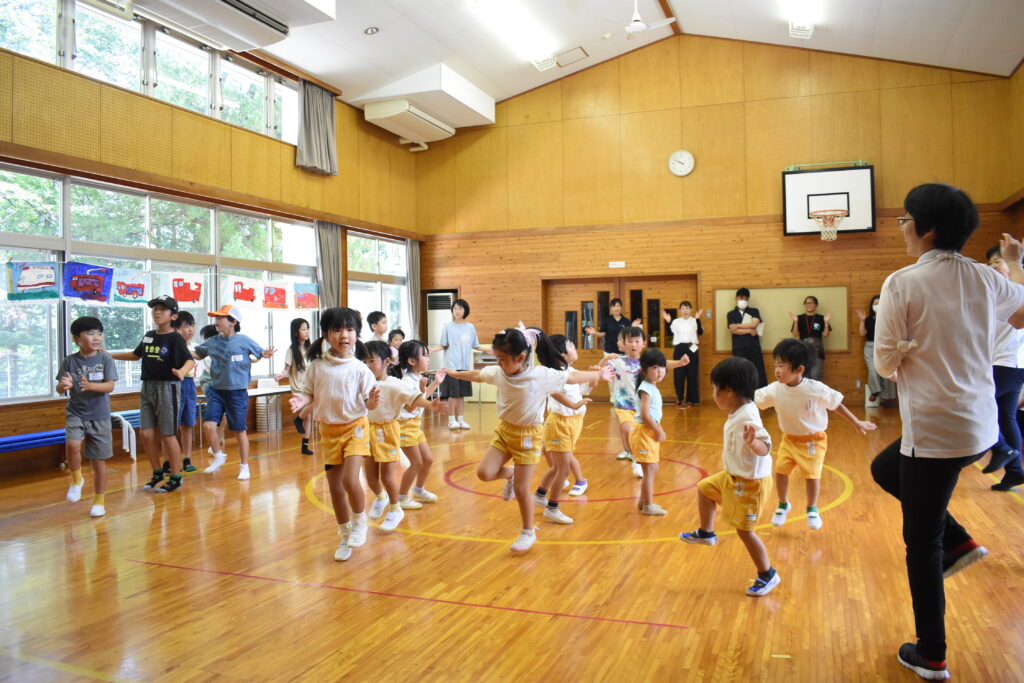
(881, 389)
(746, 343)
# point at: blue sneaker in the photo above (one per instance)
(762, 587)
(694, 537)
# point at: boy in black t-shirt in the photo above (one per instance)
(165, 362)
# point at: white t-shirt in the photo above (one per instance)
(1009, 347)
(684, 331)
(739, 460)
(573, 392)
(521, 397)
(947, 396)
(802, 409)
(412, 379)
(338, 387)
(394, 394)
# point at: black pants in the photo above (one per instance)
(687, 377)
(755, 357)
(1008, 382)
(924, 486)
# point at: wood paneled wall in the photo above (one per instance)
(501, 274)
(54, 116)
(592, 148)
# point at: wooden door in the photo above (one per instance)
(568, 295)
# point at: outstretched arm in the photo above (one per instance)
(589, 376)
(467, 375)
(673, 364)
(124, 355)
(571, 405)
(862, 426)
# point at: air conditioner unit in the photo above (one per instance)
(439, 313)
(227, 24)
(406, 121)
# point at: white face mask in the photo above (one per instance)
(874, 307)
(741, 304)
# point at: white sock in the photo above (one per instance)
(460, 418)
(417, 489)
(360, 517)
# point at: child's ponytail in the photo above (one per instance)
(548, 354)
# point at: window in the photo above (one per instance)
(28, 339)
(30, 27)
(182, 74)
(108, 216)
(242, 95)
(286, 111)
(107, 48)
(362, 254)
(29, 204)
(243, 236)
(255, 321)
(391, 258)
(294, 243)
(377, 279)
(281, 322)
(180, 227)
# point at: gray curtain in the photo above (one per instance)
(413, 285)
(328, 274)
(317, 149)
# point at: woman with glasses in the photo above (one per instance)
(812, 328)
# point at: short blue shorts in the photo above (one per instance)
(232, 402)
(187, 418)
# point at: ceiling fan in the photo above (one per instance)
(637, 25)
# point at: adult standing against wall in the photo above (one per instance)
(686, 330)
(459, 340)
(611, 326)
(941, 360)
(743, 323)
(812, 328)
(879, 388)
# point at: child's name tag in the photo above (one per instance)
(147, 340)
(693, 348)
(237, 358)
(810, 448)
(359, 432)
(380, 436)
(527, 442)
(96, 376)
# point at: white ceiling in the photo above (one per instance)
(974, 35)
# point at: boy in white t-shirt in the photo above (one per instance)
(742, 488)
(802, 406)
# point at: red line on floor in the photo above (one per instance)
(382, 594)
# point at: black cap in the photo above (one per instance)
(166, 301)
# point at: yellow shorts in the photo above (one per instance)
(741, 499)
(626, 417)
(561, 432)
(522, 443)
(339, 441)
(643, 443)
(411, 433)
(803, 453)
(384, 441)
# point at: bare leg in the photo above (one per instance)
(782, 485)
(813, 491)
(548, 477)
(171, 450)
(561, 471)
(707, 509)
(213, 435)
(624, 429)
(338, 501)
(74, 453)
(372, 469)
(755, 548)
(647, 484)
(524, 496)
(492, 466)
(243, 446)
(577, 471)
(350, 480)
(426, 460)
(409, 476)
(389, 473)
(149, 444)
(99, 476)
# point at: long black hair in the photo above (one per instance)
(649, 359)
(513, 342)
(377, 348)
(339, 318)
(299, 347)
(407, 352)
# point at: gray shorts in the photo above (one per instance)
(159, 406)
(95, 433)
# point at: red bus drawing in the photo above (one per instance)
(244, 293)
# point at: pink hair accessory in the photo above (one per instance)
(530, 334)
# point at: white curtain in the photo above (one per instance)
(413, 287)
(317, 149)
(328, 272)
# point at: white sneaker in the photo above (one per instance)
(813, 520)
(779, 516)
(525, 541)
(243, 473)
(75, 492)
(557, 516)
(423, 495)
(453, 424)
(210, 451)
(390, 522)
(463, 424)
(624, 455)
(218, 461)
(579, 488)
(652, 509)
(638, 471)
(97, 511)
(344, 551)
(540, 500)
(378, 506)
(508, 491)
(409, 503)
(357, 537)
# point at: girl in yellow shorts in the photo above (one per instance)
(522, 392)
(339, 390)
(413, 360)
(384, 433)
(562, 430)
(645, 439)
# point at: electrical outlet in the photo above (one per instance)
(858, 384)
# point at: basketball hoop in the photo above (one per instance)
(828, 221)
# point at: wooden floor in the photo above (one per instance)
(229, 580)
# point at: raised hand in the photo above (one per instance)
(699, 314)
(828, 317)
(1010, 248)
(861, 314)
(639, 322)
(749, 435)
(267, 353)
(792, 316)
(666, 316)
(66, 383)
